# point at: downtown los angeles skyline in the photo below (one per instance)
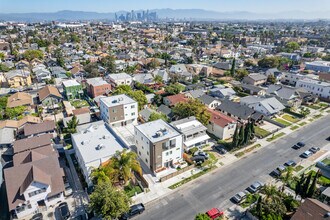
(257, 6)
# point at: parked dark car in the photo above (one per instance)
(134, 210)
(298, 145)
(290, 163)
(278, 171)
(63, 210)
(202, 153)
(220, 149)
(37, 216)
(198, 159)
(314, 149)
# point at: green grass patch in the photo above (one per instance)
(250, 199)
(288, 110)
(326, 161)
(298, 168)
(79, 103)
(248, 150)
(317, 116)
(324, 181)
(178, 184)
(260, 132)
(285, 123)
(302, 123)
(130, 190)
(275, 136)
(310, 119)
(315, 107)
(239, 154)
(290, 118)
(323, 105)
(212, 160)
(328, 111)
(294, 127)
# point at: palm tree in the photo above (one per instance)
(123, 163)
(287, 177)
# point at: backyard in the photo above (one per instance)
(79, 103)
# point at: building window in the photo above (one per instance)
(132, 106)
(147, 152)
(37, 192)
(146, 160)
(133, 113)
(139, 153)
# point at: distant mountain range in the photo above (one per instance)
(188, 14)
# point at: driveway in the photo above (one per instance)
(216, 188)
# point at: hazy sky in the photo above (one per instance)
(8, 6)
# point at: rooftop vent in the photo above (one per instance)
(99, 147)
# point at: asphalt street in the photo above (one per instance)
(216, 188)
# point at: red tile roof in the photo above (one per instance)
(220, 119)
(175, 99)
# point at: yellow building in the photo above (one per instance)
(18, 78)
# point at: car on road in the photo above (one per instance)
(290, 163)
(298, 145)
(239, 197)
(314, 149)
(278, 171)
(220, 149)
(214, 213)
(63, 210)
(37, 216)
(306, 154)
(255, 187)
(202, 153)
(12, 91)
(134, 210)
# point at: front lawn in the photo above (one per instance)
(294, 127)
(281, 121)
(302, 123)
(317, 116)
(79, 103)
(315, 107)
(260, 132)
(290, 118)
(298, 168)
(130, 190)
(326, 161)
(275, 136)
(250, 199)
(324, 181)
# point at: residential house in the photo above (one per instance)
(255, 79)
(319, 88)
(165, 110)
(42, 74)
(199, 69)
(19, 99)
(72, 89)
(195, 93)
(97, 86)
(318, 66)
(58, 72)
(194, 132)
(46, 127)
(312, 209)
(172, 100)
(18, 78)
(223, 93)
(144, 114)
(292, 78)
(291, 56)
(209, 101)
(35, 180)
(240, 113)
(49, 96)
(119, 79)
(267, 106)
(144, 78)
(288, 96)
(18, 126)
(94, 146)
(83, 116)
(162, 73)
(181, 71)
(220, 125)
(253, 90)
(119, 110)
(324, 77)
(158, 145)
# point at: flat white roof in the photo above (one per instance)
(96, 142)
(157, 131)
(71, 82)
(119, 76)
(117, 100)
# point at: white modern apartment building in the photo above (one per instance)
(159, 145)
(94, 145)
(119, 79)
(319, 88)
(119, 110)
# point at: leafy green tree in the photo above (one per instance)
(158, 99)
(271, 79)
(108, 62)
(287, 177)
(174, 89)
(241, 136)
(2, 56)
(155, 116)
(305, 187)
(269, 62)
(326, 57)
(241, 73)
(4, 68)
(292, 46)
(123, 163)
(58, 54)
(15, 112)
(122, 89)
(158, 79)
(109, 202)
(232, 69)
(312, 187)
(72, 125)
(299, 185)
(304, 112)
(192, 108)
(29, 55)
(140, 97)
(202, 216)
(92, 70)
(235, 141)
